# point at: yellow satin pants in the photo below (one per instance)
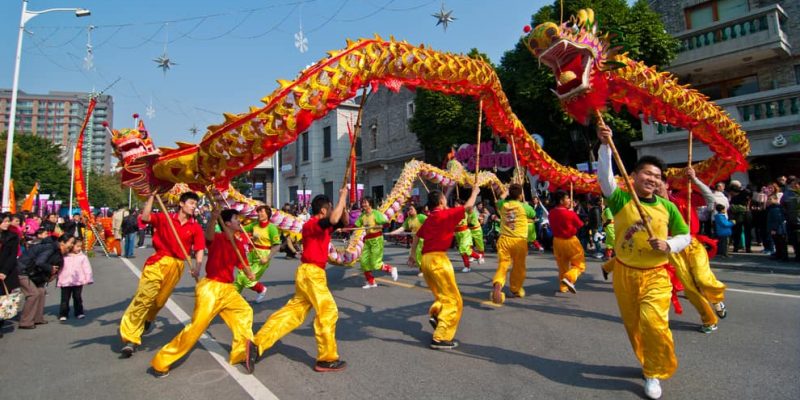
(211, 298)
(311, 291)
(700, 285)
(643, 297)
(570, 260)
(511, 251)
(155, 287)
(447, 304)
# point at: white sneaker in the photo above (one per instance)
(466, 269)
(481, 260)
(420, 274)
(394, 274)
(62, 318)
(262, 296)
(652, 388)
(369, 285)
(81, 316)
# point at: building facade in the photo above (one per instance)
(316, 161)
(745, 56)
(387, 141)
(58, 116)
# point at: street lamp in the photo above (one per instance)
(26, 16)
(304, 180)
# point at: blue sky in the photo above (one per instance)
(229, 60)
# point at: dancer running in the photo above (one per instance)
(512, 246)
(372, 254)
(464, 239)
(641, 283)
(414, 220)
(267, 241)
(163, 269)
(437, 233)
(700, 285)
(216, 294)
(567, 249)
(311, 288)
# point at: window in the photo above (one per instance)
(377, 193)
(707, 13)
(327, 188)
(410, 109)
(326, 144)
(373, 133)
(293, 194)
(358, 144)
(730, 88)
(305, 145)
(797, 74)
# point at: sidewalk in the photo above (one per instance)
(758, 262)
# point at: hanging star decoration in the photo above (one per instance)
(443, 17)
(301, 41)
(194, 130)
(164, 63)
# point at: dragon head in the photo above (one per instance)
(132, 144)
(576, 55)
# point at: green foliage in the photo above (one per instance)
(38, 159)
(527, 84)
(440, 120)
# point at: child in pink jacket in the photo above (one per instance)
(76, 272)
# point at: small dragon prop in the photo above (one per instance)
(590, 72)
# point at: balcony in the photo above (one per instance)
(755, 37)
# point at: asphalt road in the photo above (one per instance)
(546, 345)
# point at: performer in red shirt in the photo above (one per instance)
(162, 270)
(311, 288)
(566, 247)
(437, 234)
(216, 294)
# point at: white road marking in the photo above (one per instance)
(793, 296)
(249, 383)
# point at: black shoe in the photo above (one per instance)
(250, 357)
(605, 274)
(434, 322)
(128, 350)
(443, 345)
(147, 326)
(330, 366)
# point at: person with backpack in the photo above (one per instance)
(37, 267)
(130, 229)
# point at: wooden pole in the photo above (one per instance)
(177, 237)
(478, 150)
(249, 239)
(571, 201)
(230, 239)
(626, 178)
(356, 133)
(423, 184)
(689, 186)
(516, 160)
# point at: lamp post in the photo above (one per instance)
(26, 16)
(304, 180)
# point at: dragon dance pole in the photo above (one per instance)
(626, 178)
(423, 184)
(356, 133)
(222, 226)
(249, 239)
(689, 186)
(478, 150)
(177, 237)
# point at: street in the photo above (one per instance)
(543, 346)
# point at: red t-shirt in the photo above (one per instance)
(439, 228)
(222, 258)
(164, 241)
(316, 240)
(564, 223)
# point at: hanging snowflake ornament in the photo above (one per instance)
(150, 110)
(301, 41)
(88, 61)
(443, 17)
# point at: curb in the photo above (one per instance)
(753, 268)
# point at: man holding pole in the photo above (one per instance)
(641, 283)
(173, 236)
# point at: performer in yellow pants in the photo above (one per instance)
(571, 262)
(162, 270)
(437, 231)
(216, 294)
(700, 286)
(311, 288)
(641, 283)
(512, 246)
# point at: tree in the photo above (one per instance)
(37, 159)
(441, 120)
(527, 84)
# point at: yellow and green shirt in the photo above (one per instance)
(264, 236)
(514, 218)
(413, 224)
(631, 245)
(373, 221)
